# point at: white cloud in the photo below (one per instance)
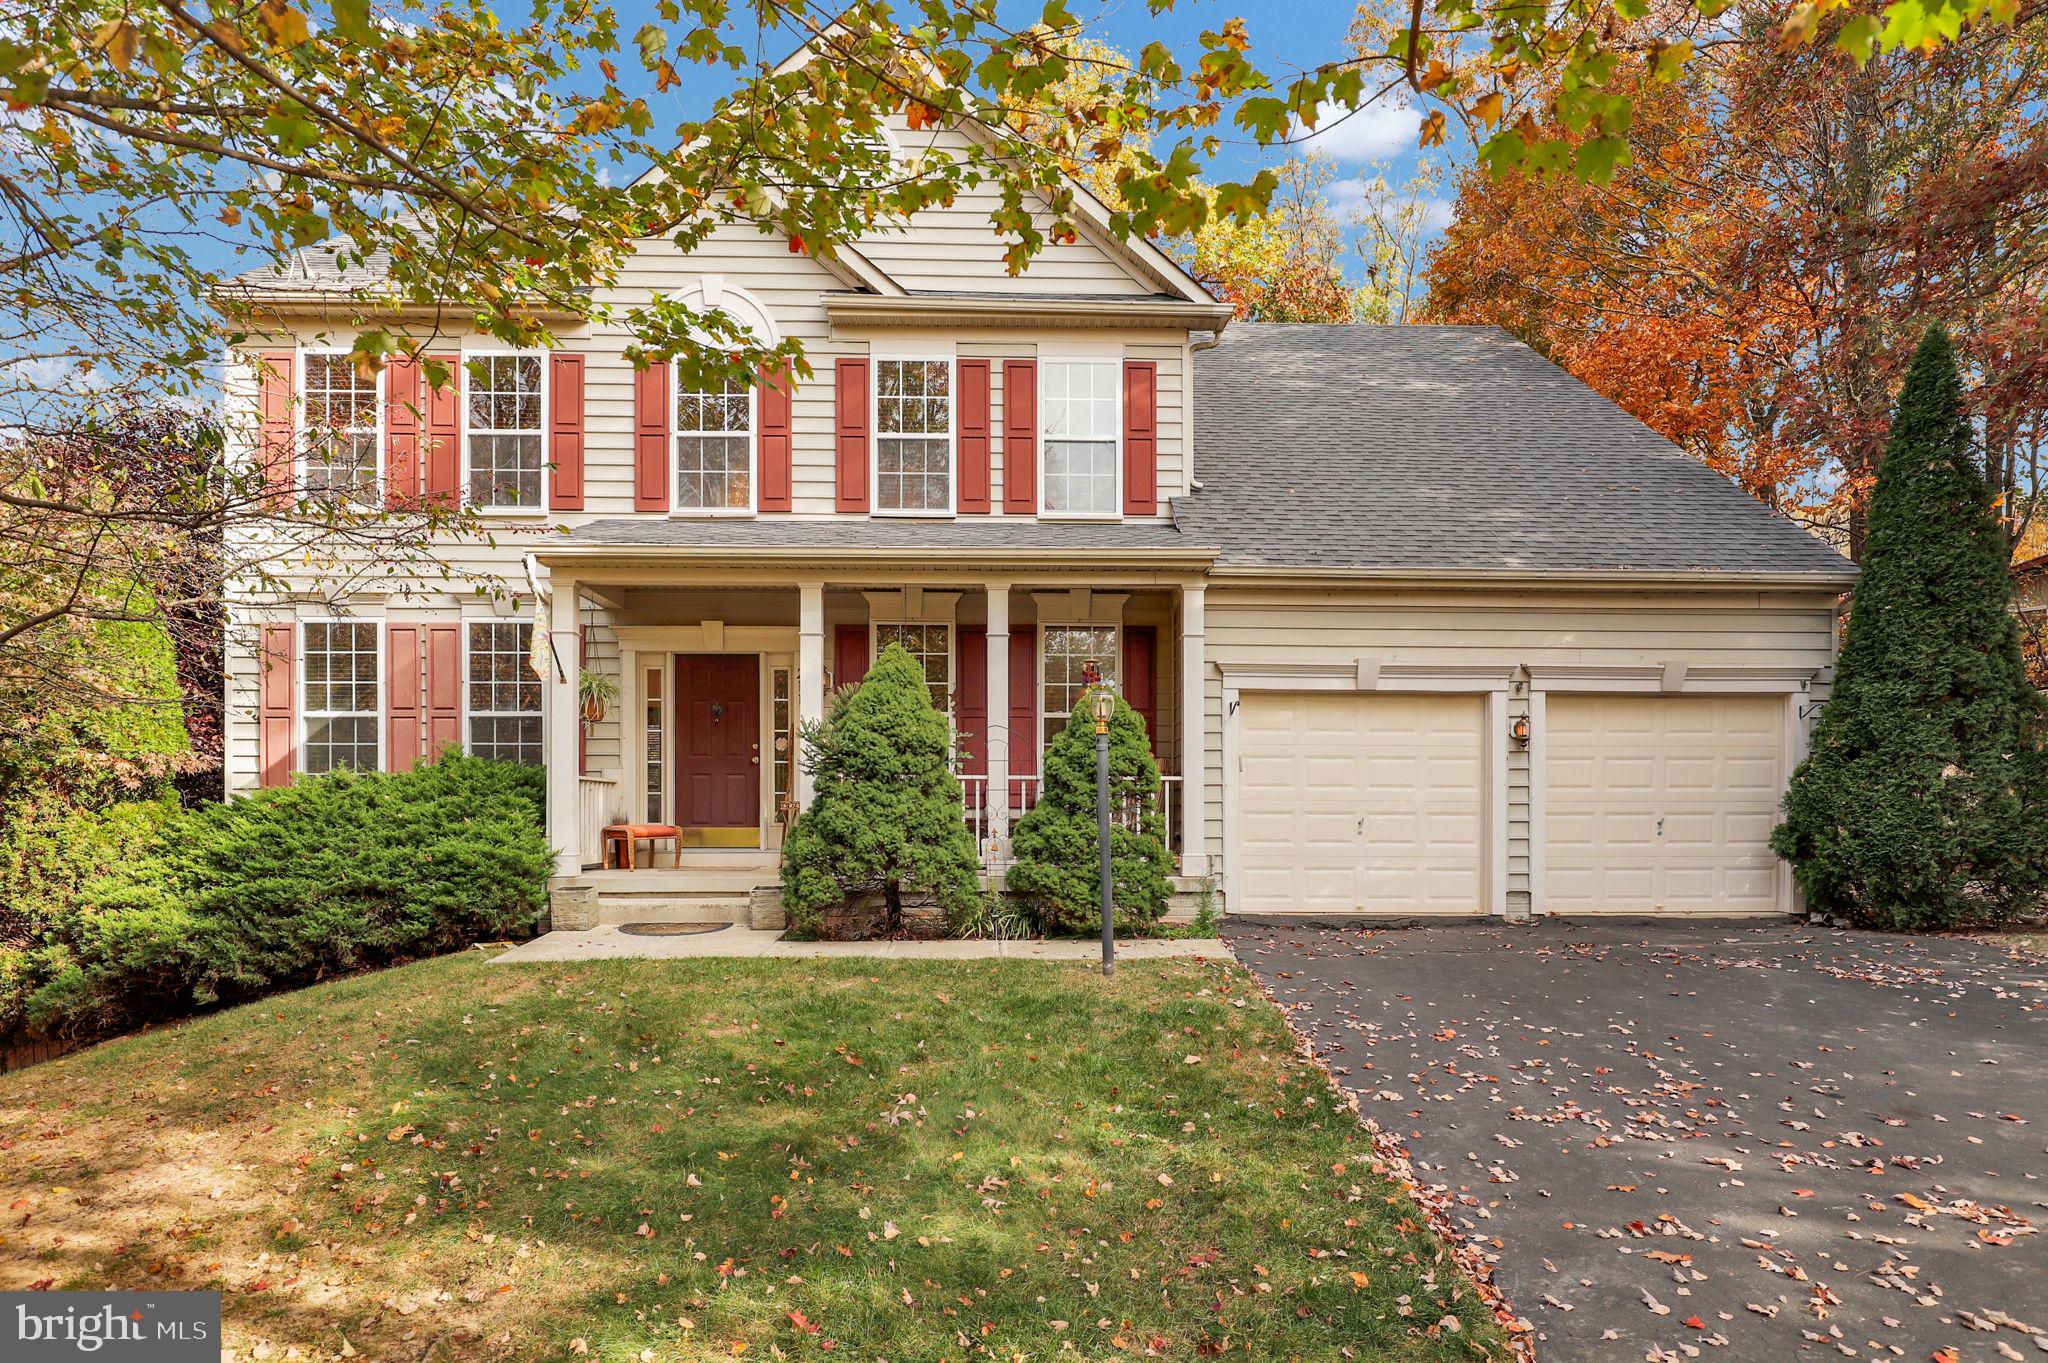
(1439, 214)
(1377, 131)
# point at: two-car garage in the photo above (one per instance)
(1392, 802)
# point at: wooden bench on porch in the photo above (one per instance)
(620, 838)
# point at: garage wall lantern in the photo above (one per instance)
(1518, 729)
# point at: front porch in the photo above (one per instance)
(718, 673)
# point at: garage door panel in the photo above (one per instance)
(1361, 802)
(1661, 803)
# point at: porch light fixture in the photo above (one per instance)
(1105, 709)
(1518, 729)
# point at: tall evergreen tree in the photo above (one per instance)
(886, 819)
(1924, 802)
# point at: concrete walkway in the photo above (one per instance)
(608, 943)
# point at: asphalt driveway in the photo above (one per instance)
(1709, 1140)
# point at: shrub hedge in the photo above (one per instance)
(288, 886)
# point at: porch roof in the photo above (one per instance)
(772, 539)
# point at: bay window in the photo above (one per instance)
(1066, 651)
(1078, 425)
(914, 437)
(343, 710)
(343, 429)
(715, 449)
(504, 694)
(503, 434)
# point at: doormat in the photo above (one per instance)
(671, 929)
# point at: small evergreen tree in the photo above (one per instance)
(1924, 802)
(886, 819)
(1056, 864)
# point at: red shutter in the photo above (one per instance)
(277, 691)
(444, 688)
(850, 379)
(650, 438)
(1141, 437)
(849, 655)
(777, 392)
(1141, 677)
(1024, 737)
(1020, 437)
(275, 452)
(971, 700)
(565, 432)
(402, 697)
(443, 459)
(402, 412)
(974, 463)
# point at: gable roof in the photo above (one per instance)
(1455, 450)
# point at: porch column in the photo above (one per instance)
(999, 737)
(810, 674)
(565, 815)
(1194, 724)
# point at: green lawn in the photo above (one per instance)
(638, 1160)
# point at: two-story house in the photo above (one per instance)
(1419, 624)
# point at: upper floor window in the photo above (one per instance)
(342, 712)
(506, 458)
(504, 694)
(1068, 650)
(914, 436)
(1078, 414)
(715, 449)
(343, 429)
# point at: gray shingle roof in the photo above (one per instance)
(1406, 447)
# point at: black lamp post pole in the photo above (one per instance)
(1102, 836)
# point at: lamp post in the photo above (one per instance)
(1105, 707)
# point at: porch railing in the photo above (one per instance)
(1024, 791)
(596, 801)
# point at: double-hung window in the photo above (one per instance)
(506, 458)
(504, 695)
(914, 437)
(343, 431)
(932, 647)
(1078, 418)
(342, 712)
(715, 450)
(1067, 650)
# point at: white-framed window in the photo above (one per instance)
(1064, 654)
(341, 413)
(932, 647)
(504, 695)
(914, 437)
(504, 434)
(1080, 430)
(654, 795)
(715, 450)
(340, 696)
(781, 731)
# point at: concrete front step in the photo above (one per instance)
(616, 909)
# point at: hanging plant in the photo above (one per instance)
(597, 691)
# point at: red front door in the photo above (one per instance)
(718, 741)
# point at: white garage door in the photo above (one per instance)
(1661, 804)
(1352, 802)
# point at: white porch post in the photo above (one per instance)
(810, 673)
(999, 736)
(1194, 723)
(565, 816)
